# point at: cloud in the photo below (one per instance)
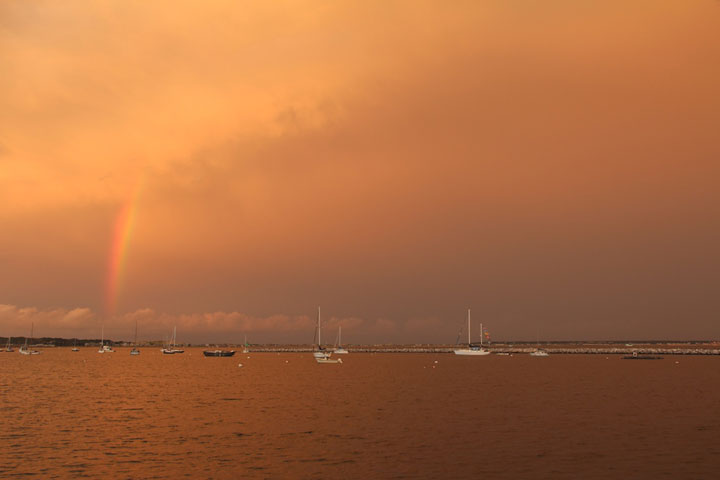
(211, 327)
(17, 321)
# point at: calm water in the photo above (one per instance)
(375, 416)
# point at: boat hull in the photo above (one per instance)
(471, 352)
(173, 351)
(539, 353)
(29, 352)
(218, 353)
(328, 360)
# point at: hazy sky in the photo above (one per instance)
(554, 165)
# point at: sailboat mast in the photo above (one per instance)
(340, 335)
(318, 327)
(135, 342)
(32, 326)
(468, 326)
(482, 334)
(102, 335)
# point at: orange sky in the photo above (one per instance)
(552, 165)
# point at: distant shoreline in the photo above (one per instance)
(553, 348)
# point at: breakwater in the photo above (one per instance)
(553, 350)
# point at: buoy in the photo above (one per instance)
(286, 361)
(435, 361)
(239, 364)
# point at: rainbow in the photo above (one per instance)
(123, 228)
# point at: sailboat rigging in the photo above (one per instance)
(339, 350)
(134, 350)
(322, 355)
(104, 348)
(24, 350)
(471, 349)
(170, 348)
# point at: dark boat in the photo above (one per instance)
(218, 353)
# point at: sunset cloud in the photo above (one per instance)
(211, 327)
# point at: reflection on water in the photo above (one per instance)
(82, 414)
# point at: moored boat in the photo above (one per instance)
(135, 350)
(339, 350)
(328, 360)
(472, 350)
(24, 350)
(321, 354)
(539, 352)
(218, 353)
(104, 348)
(170, 348)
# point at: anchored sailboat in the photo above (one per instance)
(539, 352)
(170, 349)
(134, 350)
(104, 348)
(9, 348)
(24, 350)
(471, 349)
(321, 355)
(339, 350)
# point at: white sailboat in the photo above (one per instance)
(245, 347)
(9, 348)
(134, 350)
(104, 348)
(321, 355)
(538, 352)
(339, 350)
(170, 348)
(74, 348)
(471, 349)
(24, 350)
